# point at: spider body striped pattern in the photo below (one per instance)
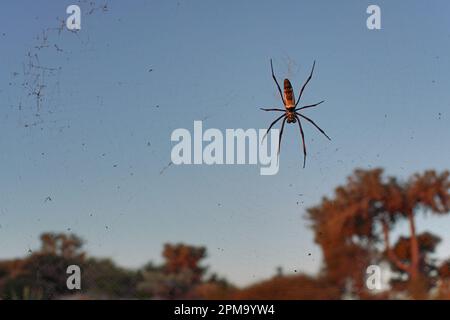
(290, 101)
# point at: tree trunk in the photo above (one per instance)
(414, 268)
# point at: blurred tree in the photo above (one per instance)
(181, 257)
(103, 279)
(178, 276)
(444, 270)
(362, 214)
(40, 275)
(68, 246)
(43, 273)
(444, 280)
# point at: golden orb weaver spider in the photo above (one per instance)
(291, 112)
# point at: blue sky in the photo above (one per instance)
(101, 136)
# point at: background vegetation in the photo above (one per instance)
(353, 230)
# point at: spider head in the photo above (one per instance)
(290, 117)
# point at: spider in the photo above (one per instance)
(291, 112)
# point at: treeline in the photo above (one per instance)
(42, 274)
(353, 228)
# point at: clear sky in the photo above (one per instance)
(89, 160)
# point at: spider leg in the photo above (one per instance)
(314, 124)
(303, 140)
(276, 120)
(310, 106)
(275, 79)
(273, 110)
(307, 80)
(281, 135)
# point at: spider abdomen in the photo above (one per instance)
(288, 94)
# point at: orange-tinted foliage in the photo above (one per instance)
(289, 288)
